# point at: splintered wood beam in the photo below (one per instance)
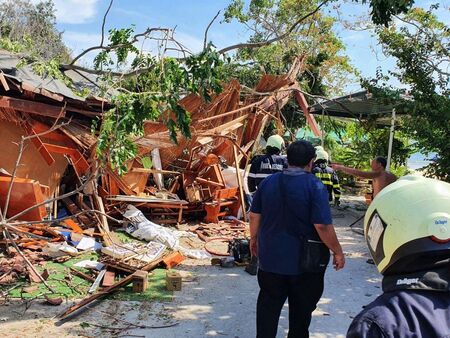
(80, 164)
(125, 281)
(48, 158)
(155, 171)
(301, 100)
(119, 182)
(32, 107)
(239, 180)
(4, 82)
(39, 128)
(214, 184)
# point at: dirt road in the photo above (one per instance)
(214, 302)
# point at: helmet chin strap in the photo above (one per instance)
(435, 279)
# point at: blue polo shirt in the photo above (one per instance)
(305, 204)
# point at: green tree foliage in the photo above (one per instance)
(356, 143)
(382, 11)
(152, 94)
(154, 86)
(314, 36)
(327, 68)
(31, 28)
(363, 141)
(421, 48)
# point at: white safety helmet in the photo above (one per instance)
(409, 221)
(275, 141)
(321, 154)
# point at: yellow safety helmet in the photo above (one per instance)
(275, 141)
(321, 154)
(407, 221)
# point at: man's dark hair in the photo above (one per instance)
(300, 153)
(381, 160)
(272, 150)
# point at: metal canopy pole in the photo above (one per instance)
(323, 130)
(391, 140)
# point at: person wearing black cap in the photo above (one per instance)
(292, 235)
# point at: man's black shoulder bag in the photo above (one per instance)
(314, 254)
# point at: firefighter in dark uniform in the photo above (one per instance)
(261, 167)
(407, 229)
(327, 175)
(265, 165)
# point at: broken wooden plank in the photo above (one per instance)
(120, 182)
(125, 281)
(32, 107)
(4, 82)
(82, 275)
(80, 164)
(209, 182)
(154, 171)
(239, 180)
(102, 293)
(109, 278)
(301, 100)
(103, 221)
(73, 225)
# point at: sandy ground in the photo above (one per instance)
(214, 302)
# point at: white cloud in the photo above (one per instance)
(75, 11)
(78, 42)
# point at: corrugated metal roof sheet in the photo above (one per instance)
(34, 82)
(358, 105)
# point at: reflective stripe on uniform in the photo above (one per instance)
(252, 175)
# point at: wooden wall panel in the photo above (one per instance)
(33, 165)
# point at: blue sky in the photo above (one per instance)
(81, 22)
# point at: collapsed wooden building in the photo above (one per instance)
(52, 184)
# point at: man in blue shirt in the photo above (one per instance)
(285, 207)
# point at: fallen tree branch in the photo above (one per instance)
(207, 28)
(108, 48)
(104, 22)
(8, 235)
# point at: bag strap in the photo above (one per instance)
(269, 157)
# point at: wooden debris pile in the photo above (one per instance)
(204, 177)
(56, 202)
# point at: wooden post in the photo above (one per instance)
(125, 281)
(156, 159)
(103, 221)
(391, 140)
(239, 179)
